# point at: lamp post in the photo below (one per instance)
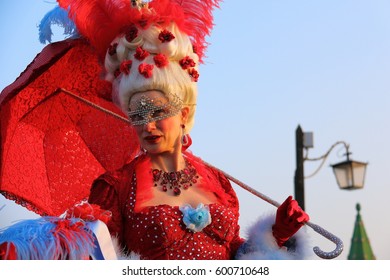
(350, 175)
(299, 178)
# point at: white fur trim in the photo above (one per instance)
(121, 253)
(261, 244)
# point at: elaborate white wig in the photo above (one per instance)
(177, 76)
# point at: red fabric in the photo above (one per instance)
(7, 251)
(158, 232)
(289, 219)
(53, 145)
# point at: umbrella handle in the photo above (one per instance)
(320, 253)
(333, 238)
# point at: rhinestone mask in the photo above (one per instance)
(151, 110)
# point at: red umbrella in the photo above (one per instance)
(60, 130)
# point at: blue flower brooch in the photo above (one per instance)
(197, 218)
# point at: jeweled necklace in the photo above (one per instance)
(175, 180)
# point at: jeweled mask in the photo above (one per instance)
(146, 109)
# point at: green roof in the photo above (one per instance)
(360, 245)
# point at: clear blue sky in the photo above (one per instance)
(273, 65)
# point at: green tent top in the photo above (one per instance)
(360, 245)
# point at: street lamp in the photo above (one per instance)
(350, 174)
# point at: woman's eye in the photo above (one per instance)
(136, 117)
(159, 113)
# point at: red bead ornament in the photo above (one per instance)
(176, 180)
(176, 191)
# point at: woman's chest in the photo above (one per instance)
(159, 229)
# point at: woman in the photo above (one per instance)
(167, 204)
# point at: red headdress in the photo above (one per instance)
(101, 21)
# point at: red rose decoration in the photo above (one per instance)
(143, 22)
(165, 36)
(125, 66)
(160, 60)
(117, 72)
(141, 54)
(187, 62)
(131, 33)
(112, 49)
(195, 49)
(145, 70)
(193, 74)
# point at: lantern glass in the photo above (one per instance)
(350, 174)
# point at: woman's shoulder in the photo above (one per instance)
(114, 184)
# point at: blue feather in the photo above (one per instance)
(44, 239)
(59, 17)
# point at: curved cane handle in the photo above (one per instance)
(339, 243)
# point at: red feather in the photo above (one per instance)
(198, 21)
(100, 21)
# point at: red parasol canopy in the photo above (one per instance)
(60, 130)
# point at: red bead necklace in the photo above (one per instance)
(175, 180)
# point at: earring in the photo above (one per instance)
(184, 138)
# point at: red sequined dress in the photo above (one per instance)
(158, 232)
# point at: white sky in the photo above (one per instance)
(273, 65)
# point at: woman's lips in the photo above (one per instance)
(152, 138)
